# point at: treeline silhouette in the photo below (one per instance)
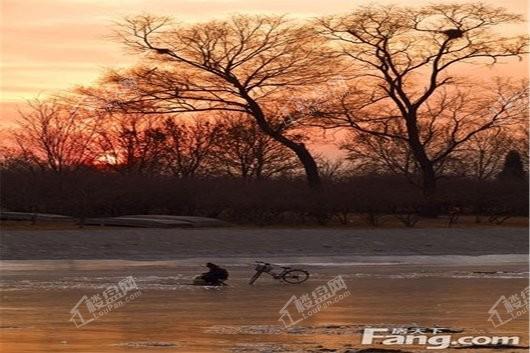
(89, 192)
(226, 167)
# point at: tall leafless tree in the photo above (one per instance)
(407, 54)
(242, 64)
(451, 127)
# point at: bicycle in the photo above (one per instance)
(288, 275)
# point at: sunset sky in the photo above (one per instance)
(51, 45)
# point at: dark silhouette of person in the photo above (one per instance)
(215, 276)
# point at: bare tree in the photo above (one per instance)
(131, 143)
(12, 158)
(450, 127)
(369, 154)
(332, 169)
(242, 64)
(189, 147)
(407, 54)
(56, 135)
(483, 156)
(245, 151)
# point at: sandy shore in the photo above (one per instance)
(148, 244)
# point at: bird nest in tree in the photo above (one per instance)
(453, 33)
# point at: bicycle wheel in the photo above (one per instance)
(295, 276)
(255, 277)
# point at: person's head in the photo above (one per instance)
(210, 265)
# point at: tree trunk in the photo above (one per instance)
(428, 175)
(309, 163)
(428, 180)
(304, 156)
(430, 206)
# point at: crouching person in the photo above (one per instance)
(214, 277)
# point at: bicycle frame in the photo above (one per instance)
(274, 274)
(264, 267)
(267, 268)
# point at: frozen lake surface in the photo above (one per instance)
(169, 315)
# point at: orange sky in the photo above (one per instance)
(51, 45)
